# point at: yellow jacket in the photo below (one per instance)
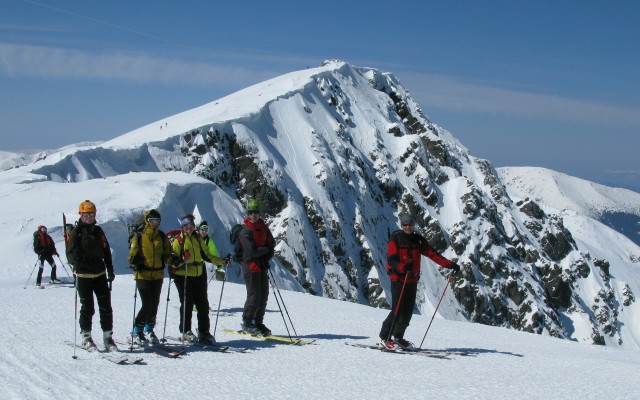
(156, 251)
(196, 249)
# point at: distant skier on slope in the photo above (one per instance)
(404, 251)
(45, 248)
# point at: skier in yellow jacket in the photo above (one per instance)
(190, 253)
(150, 252)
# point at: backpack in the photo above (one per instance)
(173, 235)
(37, 247)
(234, 238)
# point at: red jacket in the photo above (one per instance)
(257, 246)
(43, 244)
(403, 249)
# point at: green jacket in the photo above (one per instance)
(196, 250)
(213, 250)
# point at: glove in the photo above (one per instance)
(408, 267)
(56, 254)
(254, 267)
(186, 255)
(137, 261)
(455, 268)
(175, 261)
(227, 259)
(111, 276)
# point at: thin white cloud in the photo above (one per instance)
(47, 62)
(452, 94)
(633, 172)
(28, 28)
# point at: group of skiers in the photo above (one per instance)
(88, 252)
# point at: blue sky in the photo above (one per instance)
(552, 84)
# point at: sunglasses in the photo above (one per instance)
(88, 214)
(254, 212)
(190, 225)
(153, 219)
(407, 224)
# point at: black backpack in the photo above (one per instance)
(234, 238)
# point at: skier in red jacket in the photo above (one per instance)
(257, 249)
(404, 252)
(45, 248)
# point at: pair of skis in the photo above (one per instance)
(271, 338)
(113, 356)
(162, 350)
(215, 347)
(441, 354)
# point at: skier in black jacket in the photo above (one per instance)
(89, 254)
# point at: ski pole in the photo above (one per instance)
(220, 301)
(395, 312)
(135, 299)
(75, 319)
(280, 308)
(63, 267)
(29, 278)
(184, 301)
(284, 305)
(434, 313)
(213, 274)
(166, 311)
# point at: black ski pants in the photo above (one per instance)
(99, 286)
(257, 284)
(150, 299)
(196, 293)
(48, 258)
(405, 311)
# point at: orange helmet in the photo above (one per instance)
(87, 207)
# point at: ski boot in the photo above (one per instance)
(188, 337)
(250, 328)
(404, 344)
(206, 338)
(87, 341)
(138, 337)
(264, 331)
(107, 340)
(152, 338)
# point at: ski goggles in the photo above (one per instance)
(153, 219)
(204, 228)
(187, 222)
(43, 230)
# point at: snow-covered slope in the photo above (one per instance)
(36, 364)
(615, 207)
(562, 192)
(333, 154)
